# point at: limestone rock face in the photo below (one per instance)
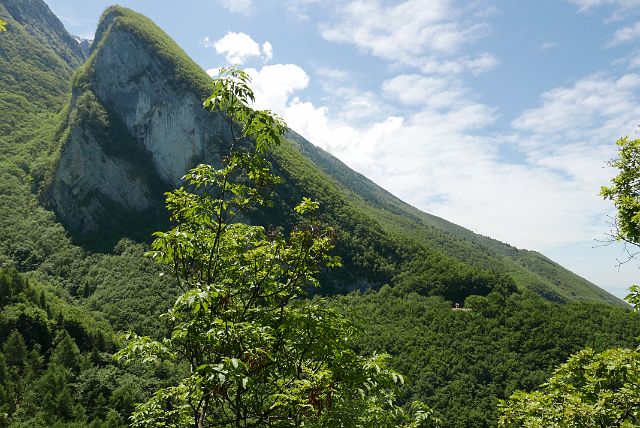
(133, 131)
(87, 176)
(166, 119)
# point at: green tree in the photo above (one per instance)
(589, 390)
(66, 352)
(15, 349)
(256, 353)
(624, 191)
(3, 26)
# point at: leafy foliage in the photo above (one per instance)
(257, 354)
(590, 389)
(625, 194)
(55, 365)
(461, 362)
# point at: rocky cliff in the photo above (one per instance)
(133, 129)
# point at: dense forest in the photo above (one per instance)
(66, 302)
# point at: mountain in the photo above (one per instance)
(98, 135)
(37, 61)
(135, 124)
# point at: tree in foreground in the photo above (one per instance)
(591, 389)
(254, 351)
(625, 194)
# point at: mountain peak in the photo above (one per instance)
(39, 21)
(117, 20)
(136, 124)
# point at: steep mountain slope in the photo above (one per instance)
(135, 124)
(37, 62)
(37, 19)
(37, 58)
(448, 237)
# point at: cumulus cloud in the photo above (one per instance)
(570, 135)
(590, 111)
(438, 153)
(420, 90)
(433, 147)
(238, 48)
(273, 85)
(237, 6)
(267, 51)
(437, 161)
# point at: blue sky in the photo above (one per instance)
(496, 115)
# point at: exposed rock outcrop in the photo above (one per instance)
(133, 131)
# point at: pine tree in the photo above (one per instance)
(15, 350)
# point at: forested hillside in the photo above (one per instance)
(71, 280)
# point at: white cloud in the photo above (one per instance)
(620, 10)
(267, 51)
(548, 45)
(594, 110)
(632, 61)
(356, 147)
(238, 48)
(440, 155)
(237, 6)
(418, 90)
(569, 137)
(333, 74)
(586, 5)
(475, 64)
(426, 36)
(425, 137)
(434, 161)
(274, 84)
(626, 34)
